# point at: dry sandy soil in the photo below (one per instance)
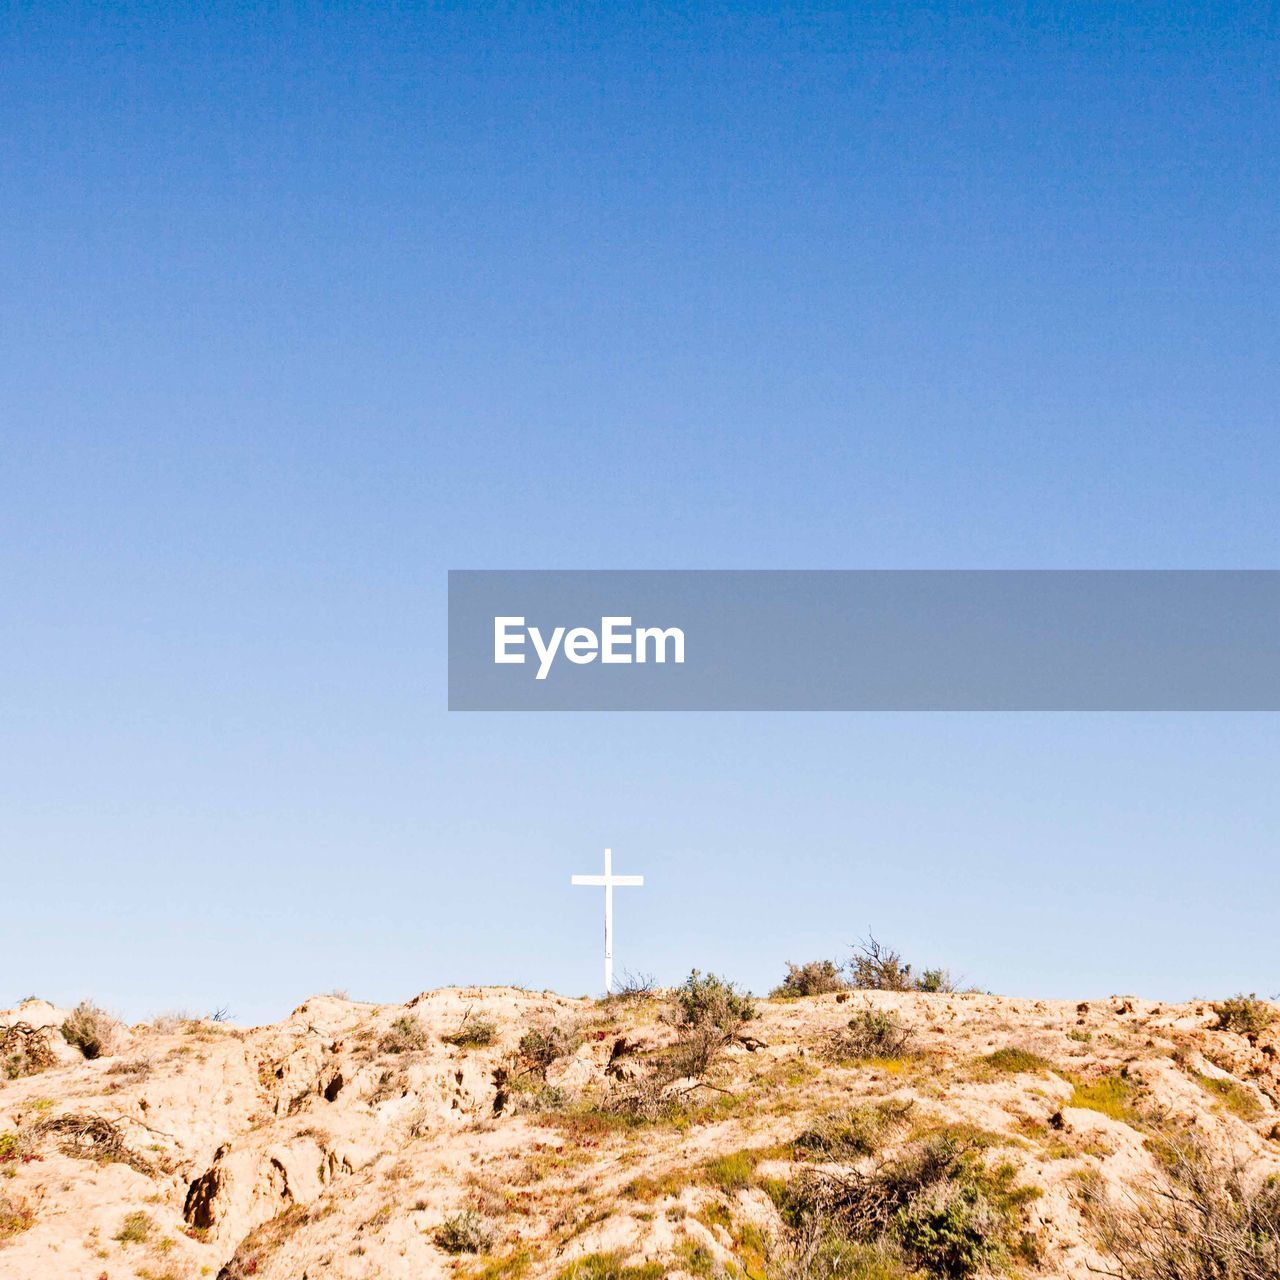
(362, 1140)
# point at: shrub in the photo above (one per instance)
(872, 1033)
(876, 967)
(816, 978)
(86, 1136)
(88, 1028)
(1246, 1015)
(541, 1046)
(694, 1051)
(404, 1036)
(938, 1206)
(139, 1068)
(936, 980)
(711, 1000)
(25, 1050)
(708, 1012)
(1205, 1220)
(471, 1034)
(465, 1232)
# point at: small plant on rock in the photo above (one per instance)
(14, 1216)
(542, 1046)
(464, 1232)
(472, 1033)
(135, 1229)
(405, 1035)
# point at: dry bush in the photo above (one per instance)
(464, 1232)
(419, 1122)
(90, 1137)
(472, 1033)
(649, 1099)
(138, 1068)
(1206, 1219)
(708, 1013)
(937, 1207)
(814, 978)
(25, 1050)
(1246, 1015)
(89, 1029)
(632, 988)
(167, 1024)
(15, 1216)
(875, 967)
(695, 1051)
(872, 1033)
(540, 1047)
(405, 1035)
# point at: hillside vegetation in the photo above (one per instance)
(496, 1133)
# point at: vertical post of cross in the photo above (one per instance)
(607, 881)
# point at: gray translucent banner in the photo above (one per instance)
(864, 640)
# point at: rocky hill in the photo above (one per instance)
(496, 1133)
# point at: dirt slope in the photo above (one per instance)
(358, 1140)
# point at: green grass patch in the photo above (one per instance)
(609, 1266)
(135, 1229)
(1111, 1095)
(1241, 1102)
(696, 1259)
(859, 1131)
(510, 1266)
(1013, 1061)
(659, 1187)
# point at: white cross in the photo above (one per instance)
(608, 880)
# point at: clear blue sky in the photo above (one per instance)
(303, 307)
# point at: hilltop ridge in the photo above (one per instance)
(497, 1133)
